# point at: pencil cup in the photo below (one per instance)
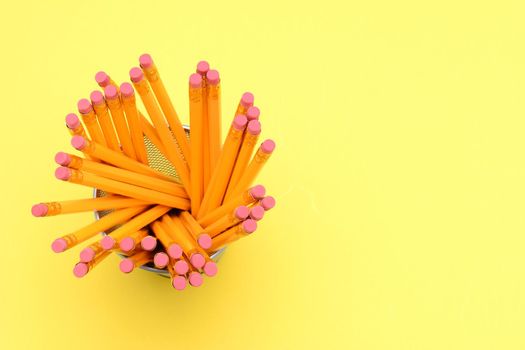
(158, 162)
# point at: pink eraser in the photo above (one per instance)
(203, 67)
(63, 173)
(257, 212)
(97, 98)
(247, 99)
(213, 77)
(195, 279)
(249, 225)
(254, 127)
(268, 202)
(72, 121)
(160, 260)
(127, 90)
(181, 267)
(59, 245)
(78, 142)
(210, 268)
(268, 146)
(84, 106)
(80, 270)
(204, 241)
(148, 243)
(242, 212)
(107, 242)
(145, 61)
(110, 92)
(253, 113)
(195, 80)
(126, 265)
(174, 251)
(239, 122)
(102, 79)
(179, 282)
(39, 210)
(258, 191)
(127, 244)
(197, 260)
(87, 254)
(62, 158)
(136, 74)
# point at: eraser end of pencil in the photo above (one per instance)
(78, 142)
(175, 251)
(239, 122)
(247, 99)
(249, 226)
(107, 242)
(145, 60)
(210, 268)
(195, 279)
(102, 79)
(253, 113)
(63, 173)
(195, 80)
(268, 202)
(257, 212)
(59, 245)
(148, 243)
(80, 270)
(84, 106)
(127, 244)
(136, 74)
(268, 146)
(62, 158)
(126, 265)
(213, 77)
(178, 282)
(242, 212)
(72, 121)
(203, 67)
(204, 241)
(111, 92)
(87, 254)
(97, 98)
(197, 260)
(39, 210)
(181, 267)
(254, 127)
(258, 191)
(126, 89)
(160, 260)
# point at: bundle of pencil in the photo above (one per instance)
(172, 223)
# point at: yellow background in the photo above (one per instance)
(399, 174)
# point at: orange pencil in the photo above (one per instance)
(88, 116)
(74, 125)
(167, 239)
(132, 241)
(148, 243)
(253, 130)
(267, 203)
(189, 246)
(245, 103)
(82, 268)
(253, 113)
(104, 119)
(263, 153)
(118, 174)
(257, 212)
(196, 141)
(122, 188)
(202, 68)
(246, 198)
(136, 260)
(240, 230)
(83, 205)
(177, 281)
(219, 180)
(161, 260)
(165, 135)
(119, 120)
(88, 253)
(195, 229)
(132, 116)
(153, 76)
(85, 233)
(104, 80)
(239, 214)
(214, 119)
(132, 226)
(115, 158)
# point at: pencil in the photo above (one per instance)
(90, 120)
(202, 68)
(131, 241)
(74, 125)
(253, 113)
(257, 212)
(240, 230)
(136, 260)
(148, 243)
(104, 119)
(196, 141)
(239, 214)
(267, 203)
(132, 116)
(177, 281)
(161, 260)
(245, 103)
(167, 239)
(88, 253)
(119, 120)
(195, 229)
(81, 269)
